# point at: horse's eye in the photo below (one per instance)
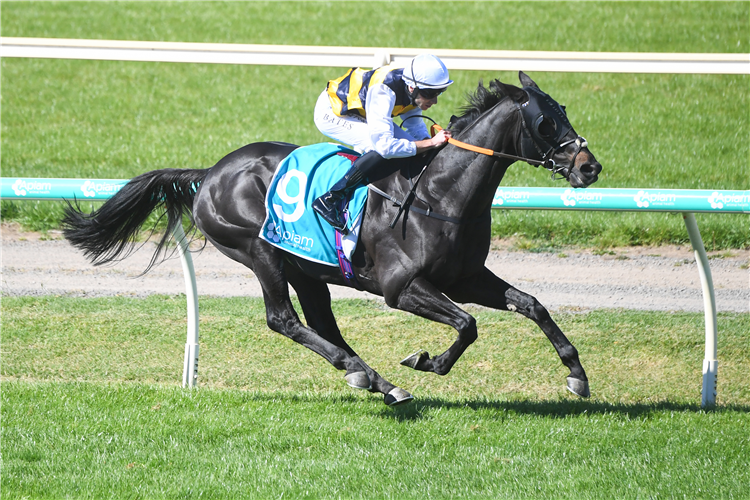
(547, 127)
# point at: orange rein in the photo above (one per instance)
(434, 129)
(548, 164)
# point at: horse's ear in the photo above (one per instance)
(511, 91)
(526, 80)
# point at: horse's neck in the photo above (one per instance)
(465, 181)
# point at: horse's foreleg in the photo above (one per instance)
(422, 298)
(488, 290)
(315, 299)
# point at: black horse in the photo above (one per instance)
(426, 262)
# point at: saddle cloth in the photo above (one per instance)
(291, 224)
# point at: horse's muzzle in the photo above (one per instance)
(586, 174)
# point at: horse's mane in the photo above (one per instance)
(478, 102)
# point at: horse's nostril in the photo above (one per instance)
(590, 169)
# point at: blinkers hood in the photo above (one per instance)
(545, 124)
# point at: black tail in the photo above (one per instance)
(108, 234)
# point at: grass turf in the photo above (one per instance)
(87, 440)
(91, 407)
(631, 357)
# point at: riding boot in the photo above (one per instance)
(327, 205)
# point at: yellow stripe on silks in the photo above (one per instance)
(398, 110)
(380, 75)
(333, 86)
(355, 84)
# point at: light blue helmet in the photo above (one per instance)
(427, 72)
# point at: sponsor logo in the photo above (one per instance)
(278, 235)
(572, 197)
(502, 196)
(720, 200)
(25, 188)
(91, 189)
(644, 199)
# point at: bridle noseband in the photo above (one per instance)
(564, 171)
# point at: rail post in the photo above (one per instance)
(710, 363)
(190, 367)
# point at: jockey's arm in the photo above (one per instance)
(435, 142)
(379, 105)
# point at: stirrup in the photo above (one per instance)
(330, 213)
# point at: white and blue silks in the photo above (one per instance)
(291, 224)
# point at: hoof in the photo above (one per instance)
(358, 380)
(414, 360)
(578, 387)
(397, 396)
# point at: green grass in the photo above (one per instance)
(84, 440)
(546, 231)
(118, 119)
(91, 407)
(659, 356)
(599, 26)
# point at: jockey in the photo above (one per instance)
(358, 108)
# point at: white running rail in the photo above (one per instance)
(349, 57)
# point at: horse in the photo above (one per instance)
(426, 264)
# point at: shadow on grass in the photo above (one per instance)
(420, 408)
(550, 409)
(363, 402)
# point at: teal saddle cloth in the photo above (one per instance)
(291, 224)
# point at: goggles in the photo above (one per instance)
(430, 93)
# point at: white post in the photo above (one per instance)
(190, 369)
(710, 363)
(382, 58)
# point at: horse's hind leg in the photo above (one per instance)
(315, 299)
(266, 263)
(488, 290)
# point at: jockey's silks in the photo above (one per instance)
(348, 93)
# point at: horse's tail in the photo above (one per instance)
(108, 234)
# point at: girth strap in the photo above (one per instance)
(421, 211)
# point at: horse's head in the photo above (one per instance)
(548, 136)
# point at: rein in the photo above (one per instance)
(489, 152)
(549, 163)
(546, 161)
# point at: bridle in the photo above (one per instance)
(530, 112)
(547, 163)
(532, 137)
